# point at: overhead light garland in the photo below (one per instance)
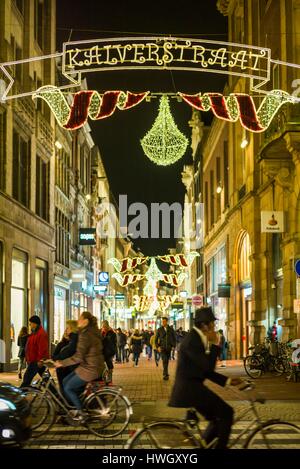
(164, 144)
(127, 263)
(180, 260)
(241, 106)
(86, 104)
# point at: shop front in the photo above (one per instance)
(244, 293)
(60, 312)
(215, 278)
(41, 291)
(18, 298)
(82, 292)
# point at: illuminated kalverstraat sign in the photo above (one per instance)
(166, 53)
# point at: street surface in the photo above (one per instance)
(149, 395)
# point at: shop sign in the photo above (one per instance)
(87, 236)
(177, 305)
(119, 296)
(224, 290)
(100, 289)
(272, 222)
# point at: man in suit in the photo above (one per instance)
(165, 340)
(197, 358)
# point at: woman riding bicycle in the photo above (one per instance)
(88, 356)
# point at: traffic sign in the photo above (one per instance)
(197, 300)
(297, 267)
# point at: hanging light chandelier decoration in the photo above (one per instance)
(164, 144)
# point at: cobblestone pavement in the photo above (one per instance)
(149, 394)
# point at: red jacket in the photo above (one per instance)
(37, 346)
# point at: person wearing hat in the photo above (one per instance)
(37, 350)
(197, 358)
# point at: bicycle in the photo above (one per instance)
(262, 360)
(187, 434)
(108, 410)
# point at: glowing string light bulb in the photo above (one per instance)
(164, 144)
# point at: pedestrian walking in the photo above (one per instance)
(88, 358)
(136, 346)
(22, 340)
(165, 340)
(155, 350)
(196, 362)
(222, 348)
(109, 338)
(121, 342)
(66, 348)
(147, 341)
(36, 350)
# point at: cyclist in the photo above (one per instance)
(90, 360)
(197, 358)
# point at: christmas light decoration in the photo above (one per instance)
(181, 260)
(241, 106)
(86, 104)
(127, 279)
(127, 263)
(164, 144)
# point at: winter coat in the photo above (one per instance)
(194, 365)
(121, 339)
(136, 343)
(66, 347)
(22, 340)
(165, 338)
(109, 344)
(88, 355)
(37, 346)
(152, 342)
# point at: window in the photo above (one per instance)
(21, 169)
(212, 199)
(62, 178)
(39, 22)
(62, 235)
(244, 259)
(206, 208)
(41, 291)
(218, 182)
(20, 6)
(2, 150)
(18, 306)
(225, 174)
(42, 189)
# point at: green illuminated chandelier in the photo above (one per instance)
(164, 144)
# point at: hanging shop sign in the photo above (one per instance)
(272, 222)
(87, 236)
(224, 290)
(297, 267)
(103, 278)
(100, 289)
(197, 300)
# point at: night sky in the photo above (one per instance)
(129, 171)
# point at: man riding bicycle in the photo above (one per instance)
(197, 358)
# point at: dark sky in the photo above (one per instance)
(118, 137)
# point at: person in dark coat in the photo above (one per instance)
(36, 350)
(165, 340)
(66, 348)
(109, 338)
(136, 343)
(22, 340)
(121, 342)
(197, 358)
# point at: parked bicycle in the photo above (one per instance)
(185, 434)
(108, 410)
(266, 357)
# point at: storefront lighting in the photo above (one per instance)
(219, 189)
(58, 145)
(244, 142)
(279, 306)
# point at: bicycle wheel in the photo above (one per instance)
(42, 411)
(278, 367)
(276, 435)
(163, 435)
(108, 413)
(253, 366)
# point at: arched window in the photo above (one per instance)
(244, 259)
